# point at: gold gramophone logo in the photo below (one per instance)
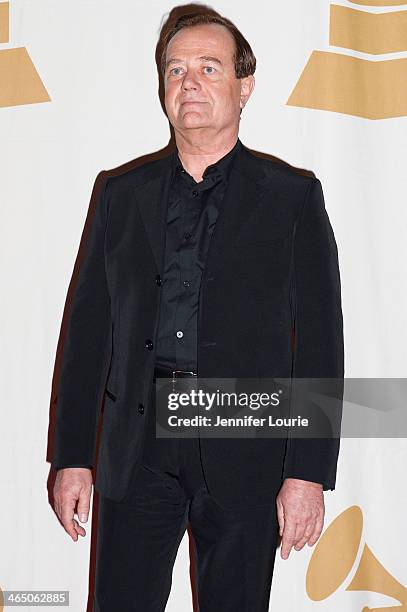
(370, 88)
(20, 83)
(333, 559)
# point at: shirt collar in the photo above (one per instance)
(222, 166)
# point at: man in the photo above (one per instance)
(209, 262)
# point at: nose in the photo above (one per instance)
(190, 81)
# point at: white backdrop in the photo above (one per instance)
(96, 61)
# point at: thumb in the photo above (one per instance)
(83, 506)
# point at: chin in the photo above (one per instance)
(194, 119)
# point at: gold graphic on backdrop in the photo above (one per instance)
(368, 32)
(361, 87)
(20, 83)
(4, 21)
(333, 559)
(379, 2)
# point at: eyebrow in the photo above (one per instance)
(205, 58)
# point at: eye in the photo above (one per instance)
(172, 71)
(210, 68)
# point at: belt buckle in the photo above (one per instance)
(184, 371)
(174, 376)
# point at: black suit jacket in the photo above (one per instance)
(271, 275)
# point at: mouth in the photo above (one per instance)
(192, 102)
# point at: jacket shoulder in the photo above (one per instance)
(276, 168)
(135, 173)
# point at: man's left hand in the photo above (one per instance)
(300, 513)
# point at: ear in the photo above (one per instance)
(246, 88)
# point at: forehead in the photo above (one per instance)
(201, 39)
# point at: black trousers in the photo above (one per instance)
(138, 538)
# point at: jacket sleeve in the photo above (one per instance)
(86, 352)
(318, 350)
(61, 467)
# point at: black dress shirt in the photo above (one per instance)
(191, 217)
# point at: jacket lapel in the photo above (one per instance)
(152, 200)
(247, 186)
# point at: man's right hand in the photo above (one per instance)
(73, 485)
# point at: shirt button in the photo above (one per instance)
(141, 408)
(195, 193)
(158, 279)
(186, 283)
(180, 334)
(149, 344)
(187, 236)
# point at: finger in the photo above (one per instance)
(83, 506)
(70, 528)
(304, 528)
(309, 530)
(299, 530)
(58, 510)
(280, 517)
(67, 518)
(79, 529)
(319, 524)
(287, 541)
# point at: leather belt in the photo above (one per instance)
(165, 372)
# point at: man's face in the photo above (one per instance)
(201, 89)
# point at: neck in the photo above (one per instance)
(197, 152)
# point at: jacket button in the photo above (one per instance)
(141, 408)
(158, 279)
(149, 344)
